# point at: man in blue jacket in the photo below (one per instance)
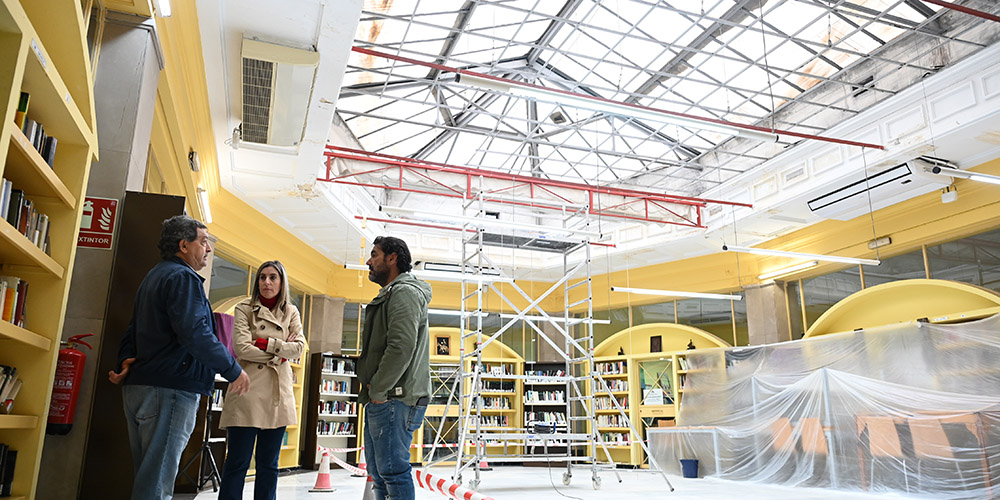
(169, 357)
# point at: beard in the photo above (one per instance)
(380, 277)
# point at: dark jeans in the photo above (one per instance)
(388, 432)
(240, 448)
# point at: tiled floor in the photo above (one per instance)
(533, 483)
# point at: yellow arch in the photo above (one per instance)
(673, 337)
(940, 301)
(229, 305)
(495, 350)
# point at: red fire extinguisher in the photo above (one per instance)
(66, 386)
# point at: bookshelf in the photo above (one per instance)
(333, 420)
(38, 61)
(544, 403)
(651, 383)
(289, 455)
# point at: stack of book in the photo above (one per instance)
(7, 459)
(35, 132)
(20, 212)
(10, 384)
(13, 296)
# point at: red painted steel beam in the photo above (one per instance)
(965, 10)
(516, 83)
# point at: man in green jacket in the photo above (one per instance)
(394, 368)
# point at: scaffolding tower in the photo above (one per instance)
(480, 274)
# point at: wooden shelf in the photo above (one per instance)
(15, 248)
(335, 435)
(31, 174)
(609, 411)
(614, 429)
(51, 103)
(18, 421)
(612, 375)
(14, 332)
(337, 374)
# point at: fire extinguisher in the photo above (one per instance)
(66, 386)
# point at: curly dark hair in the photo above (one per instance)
(390, 245)
(175, 229)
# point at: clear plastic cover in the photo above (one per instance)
(911, 407)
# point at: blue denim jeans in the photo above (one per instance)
(388, 432)
(160, 421)
(241, 445)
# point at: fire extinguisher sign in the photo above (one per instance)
(97, 225)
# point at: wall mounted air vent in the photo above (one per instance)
(277, 86)
(888, 187)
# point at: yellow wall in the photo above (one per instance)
(673, 337)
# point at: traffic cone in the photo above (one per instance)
(323, 483)
(484, 466)
(361, 463)
(369, 489)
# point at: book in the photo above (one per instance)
(22, 297)
(14, 206)
(8, 403)
(22, 109)
(9, 374)
(49, 150)
(3, 469)
(5, 197)
(8, 472)
(10, 300)
(29, 128)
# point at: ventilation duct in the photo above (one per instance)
(277, 85)
(888, 187)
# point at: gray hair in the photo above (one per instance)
(175, 229)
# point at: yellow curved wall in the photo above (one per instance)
(904, 301)
(495, 349)
(673, 337)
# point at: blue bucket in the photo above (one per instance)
(689, 468)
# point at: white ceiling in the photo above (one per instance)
(952, 115)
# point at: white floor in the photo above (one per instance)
(510, 483)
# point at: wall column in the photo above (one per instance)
(767, 315)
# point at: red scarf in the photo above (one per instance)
(268, 303)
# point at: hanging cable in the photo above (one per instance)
(871, 211)
(767, 68)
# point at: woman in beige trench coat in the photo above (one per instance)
(267, 332)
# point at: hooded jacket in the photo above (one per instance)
(395, 349)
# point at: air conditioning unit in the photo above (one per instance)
(277, 86)
(888, 187)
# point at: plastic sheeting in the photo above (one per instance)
(913, 408)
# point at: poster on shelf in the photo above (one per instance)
(653, 397)
(97, 225)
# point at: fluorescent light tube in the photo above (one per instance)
(799, 255)
(964, 174)
(611, 107)
(673, 293)
(788, 270)
(443, 275)
(556, 319)
(206, 210)
(483, 222)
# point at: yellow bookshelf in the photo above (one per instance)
(43, 52)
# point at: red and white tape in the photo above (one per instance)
(348, 450)
(446, 487)
(350, 468)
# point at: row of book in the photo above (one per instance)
(494, 420)
(338, 408)
(8, 458)
(495, 386)
(10, 385)
(611, 368)
(341, 366)
(335, 386)
(34, 131)
(497, 370)
(327, 428)
(604, 403)
(616, 438)
(544, 397)
(546, 417)
(21, 213)
(494, 403)
(545, 373)
(682, 363)
(611, 421)
(617, 384)
(13, 297)
(217, 398)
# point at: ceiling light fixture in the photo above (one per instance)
(964, 174)
(557, 319)
(673, 293)
(799, 255)
(206, 211)
(608, 106)
(443, 275)
(483, 222)
(788, 270)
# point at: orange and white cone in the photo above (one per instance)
(484, 466)
(323, 483)
(369, 489)
(361, 463)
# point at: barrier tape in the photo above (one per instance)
(350, 468)
(455, 445)
(446, 487)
